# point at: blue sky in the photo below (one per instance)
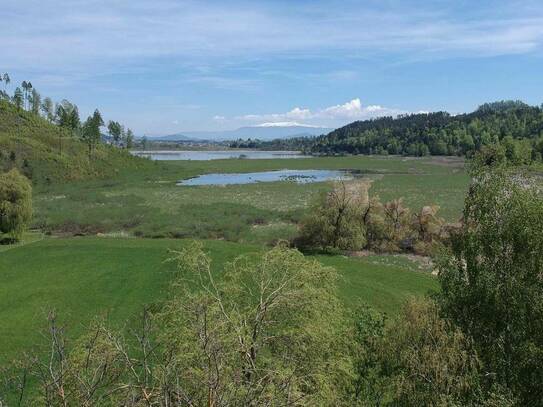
(167, 66)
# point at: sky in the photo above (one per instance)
(168, 66)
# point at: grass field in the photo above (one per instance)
(149, 203)
(84, 277)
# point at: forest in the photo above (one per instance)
(513, 125)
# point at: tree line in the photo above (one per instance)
(293, 143)
(517, 128)
(66, 115)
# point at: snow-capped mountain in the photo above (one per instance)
(264, 131)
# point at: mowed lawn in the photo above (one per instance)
(81, 278)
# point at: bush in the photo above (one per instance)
(333, 222)
(15, 204)
(346, 218)
(419, 359)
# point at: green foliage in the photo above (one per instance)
(18, 99)
(418, 359)
(332, 223)
(15, 203)
(491, 280)
(115, 130)
(84, 277)
(346, 218)
(516, 126)
(67, 116)
(270, 330)
(47, 153)
(90, 133)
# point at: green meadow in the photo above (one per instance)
(148, 203)
(81, 278)
(131, 220)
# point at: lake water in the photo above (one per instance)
(298, 176)
(217, 155)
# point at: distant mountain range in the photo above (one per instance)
(266, 131)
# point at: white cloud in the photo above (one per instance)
(349, 111)
(219, 118)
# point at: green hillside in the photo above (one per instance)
(514, 126)
(47, 153)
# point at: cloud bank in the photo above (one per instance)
(69, 35)
(331, 116)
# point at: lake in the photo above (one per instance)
(298, 176)
(217, 155)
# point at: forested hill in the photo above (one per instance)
(514, 125)
(46, 152)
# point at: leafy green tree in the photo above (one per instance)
(274, 327)
(18, 99)
(418, 359)
(67, 116)
(91, 131)
(48, 109)
(6, 80)
(492, 283)
(129, 143)
(115, 131)
(27, 88)
(333, 222)
(35, 102)
(15, 204)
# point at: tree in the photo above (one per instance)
(115, 131)
(396, 219)
(6, 80)
(27, 87)
(91, 131)
(271, 329)
(427, 227)
(419, 359)
(15, 204)
(492, 283)
(67, 116)
(35, 102)
(18, 98)
(332, 222)
(129, 139)
(48, 109)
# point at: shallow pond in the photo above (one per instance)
(217, 155)
(298, 176)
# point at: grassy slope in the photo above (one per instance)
(84, 277)
(35, 144)
(150, 203)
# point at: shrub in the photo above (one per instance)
(15, 204)
(418, 359)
